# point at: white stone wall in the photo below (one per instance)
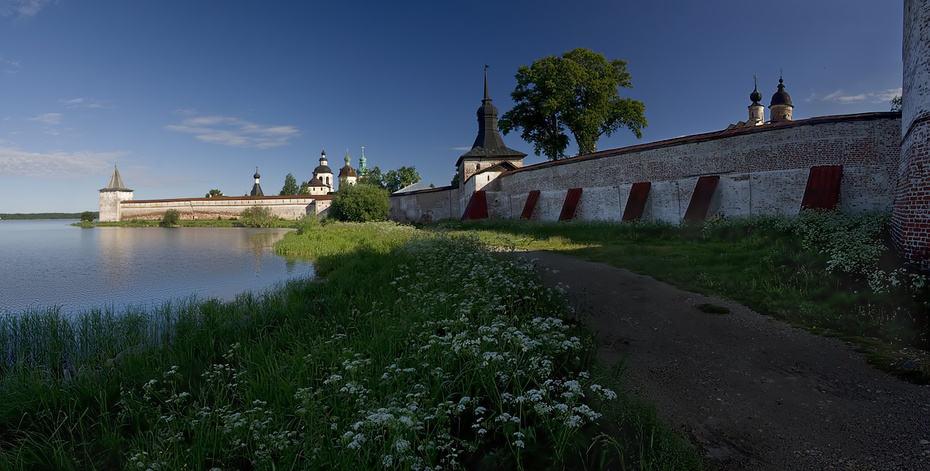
(286, 207)
(737, 195)
(852, 142)
(763, 170)
(426, 206)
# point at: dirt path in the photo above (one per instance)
(752, 392)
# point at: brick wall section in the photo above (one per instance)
(911, 215)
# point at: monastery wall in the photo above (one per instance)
(763, 170)
(426, 205)
(286, 207)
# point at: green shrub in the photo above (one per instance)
(171, 218)
(308, 223)
(257, 216)
(88, 216)
(360, 203)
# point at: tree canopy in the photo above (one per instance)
(578, 91)
(360, 203)
(393, 180)
(290, 185)
(897, 103)
(214, 192)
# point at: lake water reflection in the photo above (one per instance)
(51, 263)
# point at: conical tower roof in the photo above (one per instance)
(116, 182)
(489, 142)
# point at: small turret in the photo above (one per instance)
(347, 175)
(362, 163)
(323, 172)
(780, 107)
(756, 110)
(256, 188)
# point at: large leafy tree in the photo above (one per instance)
(580, 92)
(397, 179)
(290, 185)
(360, 203)
(373, 177)
(392, 180)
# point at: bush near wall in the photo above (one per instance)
(171, 218)
(257, 216)
(360, 203)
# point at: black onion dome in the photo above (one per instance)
(322, 169)
(755, 96)
(256, 175)
(781, 97)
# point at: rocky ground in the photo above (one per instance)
(750, 391)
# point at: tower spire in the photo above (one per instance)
(486, 95)
(488, 135)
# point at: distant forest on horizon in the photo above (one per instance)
(42, 215)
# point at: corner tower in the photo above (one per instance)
(111, 196)
(910, 218)
(489, 148)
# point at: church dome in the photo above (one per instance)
(347, 171)
(256, 176)
(487, 109)
(755, 96)
(322, 169)
(781, 97)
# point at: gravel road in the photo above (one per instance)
(750, 391)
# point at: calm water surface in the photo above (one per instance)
(51, 263)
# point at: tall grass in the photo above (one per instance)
(413, 353)
(826, 271)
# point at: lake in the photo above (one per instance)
(51, 263)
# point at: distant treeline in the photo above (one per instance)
(44, 215)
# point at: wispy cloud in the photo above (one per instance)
(81, 103)
(23, 8)
(9, 66)
(58, 165)
(461, 148)
(50, 119)
(235, 132)
(883, 96)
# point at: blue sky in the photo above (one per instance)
(185, 96)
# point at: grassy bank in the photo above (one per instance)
(411, 353)
(827, 272)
